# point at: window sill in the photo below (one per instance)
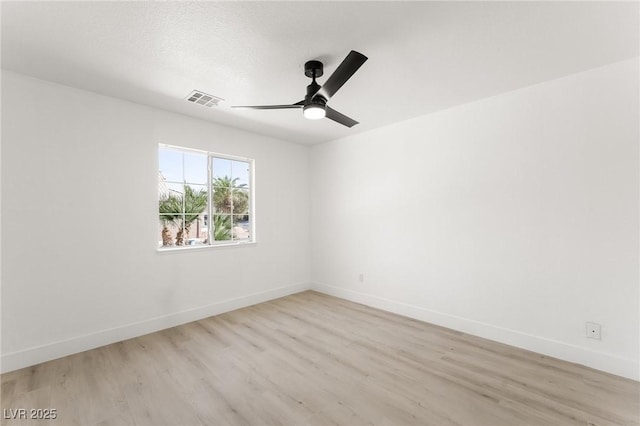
(184, 249)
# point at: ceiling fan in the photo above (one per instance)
(314, 105)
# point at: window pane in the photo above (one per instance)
(221, 227)
(170, 165)
(240, 201)
(194, 225)
(195, 168)
(240, 173)
(170, 227)
(169, 204)
(195, 199)
(221, 170)
(170, 198)
(241, 228)
(172, 232)
(196, 233)
(222, 199)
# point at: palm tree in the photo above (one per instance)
(169, 207)
(194, 203)
(221, 227)
(229, 197)
(181, 210)
(230, 200)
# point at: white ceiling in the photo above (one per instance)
(423, 56)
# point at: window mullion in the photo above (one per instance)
(231, 212)
(184, 200)
(210, 229)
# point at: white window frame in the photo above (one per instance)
(210, 207)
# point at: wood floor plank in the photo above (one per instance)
(312, 359)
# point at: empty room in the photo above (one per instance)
(320, 213)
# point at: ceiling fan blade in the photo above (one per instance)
(296, 105)
(345, 70)
(338, 117)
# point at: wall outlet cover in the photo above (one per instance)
(594, 331)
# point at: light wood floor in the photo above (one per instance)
(311, 359)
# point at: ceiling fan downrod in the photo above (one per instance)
(314, 107)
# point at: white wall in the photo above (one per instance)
(79, 197)
(513, 218)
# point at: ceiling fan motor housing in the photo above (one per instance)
(313, 69)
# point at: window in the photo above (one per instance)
(194, 186)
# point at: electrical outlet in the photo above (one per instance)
(594, 331)
(361, 278)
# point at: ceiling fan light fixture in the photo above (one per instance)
(314, 111)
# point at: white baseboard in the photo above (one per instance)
(628, 368)
(35, 355)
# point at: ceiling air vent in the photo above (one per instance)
(198, 97)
